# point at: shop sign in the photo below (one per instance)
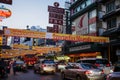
(84, 47)
(5, 13)
(6, 1)
(56, 14)
(16, 40)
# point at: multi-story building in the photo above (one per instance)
(111, 18)
(35, 41)
(86, 18)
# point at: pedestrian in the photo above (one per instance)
(14, 67)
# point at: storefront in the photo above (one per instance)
(83, 50)
(74, 57)
(114, 45)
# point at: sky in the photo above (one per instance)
(29, 12)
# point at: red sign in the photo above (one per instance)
(49, 29)
(55, 28)
(5, 13)
(6, 1)
(92, 20)
(55, 15)
(56, 10)
(55, 21)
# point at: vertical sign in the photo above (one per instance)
(6, 1)
(56, 14)
(16, 40)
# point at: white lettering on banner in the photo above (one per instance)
(49, 35)
(80, 48)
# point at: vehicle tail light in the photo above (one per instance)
(97, 65)
(8, 67)
(88, 72)
(102, 72)
(3, 71)
(108, 65)
(43, 65)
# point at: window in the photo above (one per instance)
(88, 2)
(111, 23)
(110, 7)
(92, 14)
(92, 28)
(83, 6)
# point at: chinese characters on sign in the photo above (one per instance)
(56, 14)
(6, 1)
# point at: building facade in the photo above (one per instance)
(111, 18)
(86, 17)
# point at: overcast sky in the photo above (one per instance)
(29, 12)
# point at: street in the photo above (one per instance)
(30, 75)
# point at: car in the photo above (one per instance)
(113, 76)
(82, 71)
(3, 72)
(117, 66)
(45, 66)
(21, 66)
(101, 63)
(60, 65)
(7, 65)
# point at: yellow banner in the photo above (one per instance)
(46, 49)
(0, 40)
(55, 36)
(20, 46)
(24, 33)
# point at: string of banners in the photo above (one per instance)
(54, 36)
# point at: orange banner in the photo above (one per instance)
(55, 36)
(79, 38)
(46, 49)
(20, 46)
(24, 33)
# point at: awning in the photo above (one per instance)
(62, 58)
(94, 54)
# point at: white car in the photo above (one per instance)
(45, 66)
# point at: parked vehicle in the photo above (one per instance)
(3, 73)
(7, 65)
(60, 65)
(45, 66)
(101, 63)
(113, 76)
(117, 66)
(82, 71)
(21, 66)
(30, 59)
